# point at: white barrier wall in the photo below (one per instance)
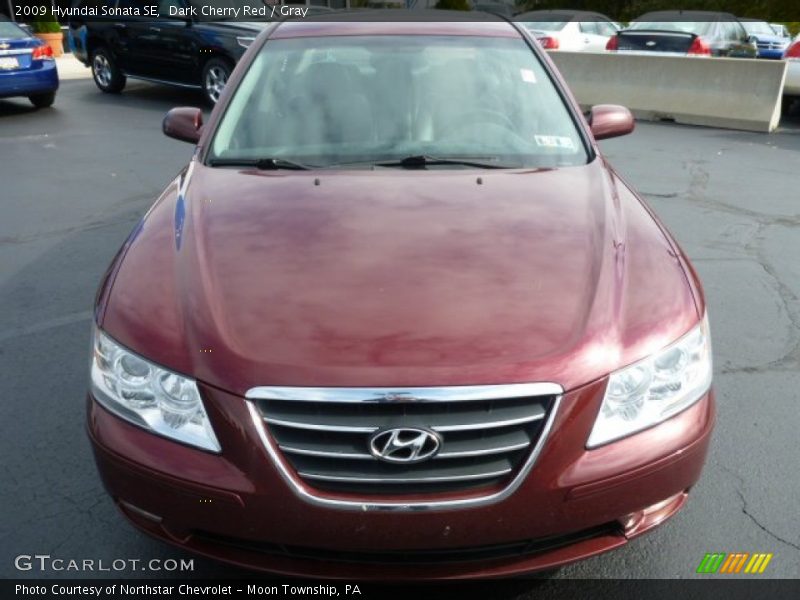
(733, 93)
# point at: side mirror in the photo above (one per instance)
(184, 123)
(609, 120)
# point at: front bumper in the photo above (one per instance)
(771, 53)
(236, 507)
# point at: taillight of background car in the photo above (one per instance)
(699, 48)
(793, 51)
(548, 42)
(612, 44)
(43, 52)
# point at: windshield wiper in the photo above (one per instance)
(417, 161)
(263, 164)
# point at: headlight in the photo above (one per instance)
(149, 396)
(654, 389)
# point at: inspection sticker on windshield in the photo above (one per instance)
(528, 76)
(554, 141)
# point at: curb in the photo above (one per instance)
(70, 67)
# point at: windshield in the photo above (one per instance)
(696, 27)
(758, 28)
(341, 99)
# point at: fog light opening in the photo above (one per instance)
(140, 512)
(659, 507)
(632, 520)
(647, 518)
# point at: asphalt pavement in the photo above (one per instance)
(76, 178)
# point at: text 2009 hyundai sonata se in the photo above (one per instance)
(399, 318)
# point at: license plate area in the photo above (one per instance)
(7, 63)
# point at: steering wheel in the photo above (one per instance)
(479, 116)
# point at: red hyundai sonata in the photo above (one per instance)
(399, 318)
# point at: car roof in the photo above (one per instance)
(385, 22)
(565, 15)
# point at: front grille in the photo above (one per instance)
(510, 550)
(487, 433)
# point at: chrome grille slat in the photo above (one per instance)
(485, 452)
(403, 480)
(491, 424)
(456, 393)
(454, 470)
(440, 428)
(359, 421)
(323, 435)
(440, 456)
(297, 441)
(318, 427)
(323, 453)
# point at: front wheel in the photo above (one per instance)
(788, 105)
(43, 100)
(215, 75)
(105, 72)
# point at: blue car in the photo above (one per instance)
(769, 43)
(27, 67)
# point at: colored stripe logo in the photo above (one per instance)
(736, 562)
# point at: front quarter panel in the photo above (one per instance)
(148, 258)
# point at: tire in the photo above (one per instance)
(43, 100)
(216, 72)
(105, 72)
(788, 105)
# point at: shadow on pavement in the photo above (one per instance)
(137, 95)
(10, 107)
(791, 116)
(141, 94)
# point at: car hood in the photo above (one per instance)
(398, 278)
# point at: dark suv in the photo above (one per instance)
(186, 51)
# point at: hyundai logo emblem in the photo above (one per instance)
(651, 43)
(404, 445)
